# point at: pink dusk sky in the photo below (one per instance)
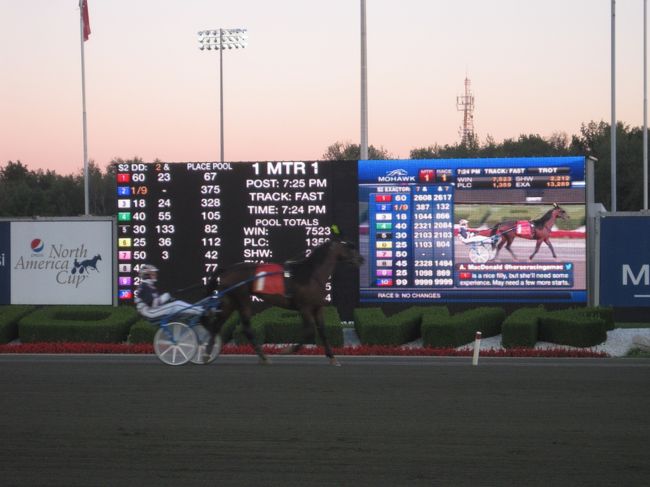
(535, 68)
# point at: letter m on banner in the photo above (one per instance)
(644, 274)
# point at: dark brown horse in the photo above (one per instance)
(539, 229)
(305, 292)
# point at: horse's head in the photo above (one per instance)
(347, 252)
(559, 212)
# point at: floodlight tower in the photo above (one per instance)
(465, 104)
(218, 40)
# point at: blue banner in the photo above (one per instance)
(625, 261)
(5, 266)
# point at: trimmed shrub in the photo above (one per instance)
(283, 326)
(521, 328)
(279, 325)
(408, 323)
(572, 327)
(9, 317)
(375, 328)
(333, 327)
(365, 318)
(142, 331)
(100, 324)
(605, 314)
(439, 330)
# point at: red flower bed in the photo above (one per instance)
(76, 347)
(121, 348)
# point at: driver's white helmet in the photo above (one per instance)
(148, 271)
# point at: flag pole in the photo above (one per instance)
(83, 38)
(613, 125)
(363, 145)
(645, 105)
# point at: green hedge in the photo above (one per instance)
(581, 327)
(605, 314)
(439, 330)
(521, 328)
(572, 327)
(373, 327)
(9, 317)
(279, 325)
(100, 324)
(142, 331)
(365, 318)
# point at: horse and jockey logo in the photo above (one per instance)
(86, 265)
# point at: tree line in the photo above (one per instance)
(26, 193)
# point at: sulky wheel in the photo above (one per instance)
(203, 336)
(175, 343)
(479, 254)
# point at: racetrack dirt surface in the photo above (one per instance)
(390, 421)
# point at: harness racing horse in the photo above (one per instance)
(540, 230)
(306, 286)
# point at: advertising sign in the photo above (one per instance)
(56, 262)
(624, 263)
(5, 256)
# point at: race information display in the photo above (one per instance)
(473, 230)
(191, 219)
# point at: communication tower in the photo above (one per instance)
(465, 104)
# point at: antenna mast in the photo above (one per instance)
(465, 104)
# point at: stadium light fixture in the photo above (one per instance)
(218, 40)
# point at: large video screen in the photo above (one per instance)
(473, 230)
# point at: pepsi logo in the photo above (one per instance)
(37, 245)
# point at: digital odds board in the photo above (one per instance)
(473, 230)
(191, 219)
(431, 231)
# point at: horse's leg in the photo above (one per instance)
(320, 327)
(550, 246)
(500, 245)
(510, 240)
(213, 325)
(307, 332)
(245, 315)
(537, 245)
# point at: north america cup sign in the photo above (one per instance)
(624, 260)
(56, 261)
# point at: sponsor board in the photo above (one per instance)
(5, 256)
(56, 262)
(624, 272)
